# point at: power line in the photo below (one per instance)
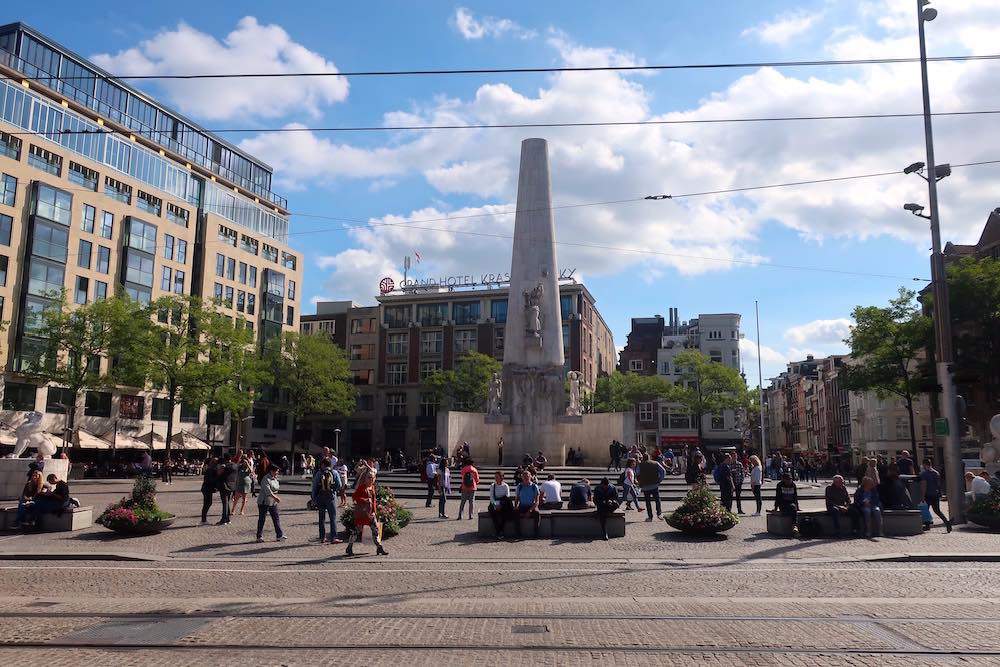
(541, 124)
(545, 70)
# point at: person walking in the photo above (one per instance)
(606, 501)
(756, 481)
(501, 507)
(325, 488)
(209, 484)
(739, 475)
(228, 481)
(431, 475)
(651, 474)
(723, 474)
(366, 514)
(470, 482)
(244, 485)
(930, 489)
(628, 485)
(267, 503)
(444, 486)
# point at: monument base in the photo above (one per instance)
(14, 473)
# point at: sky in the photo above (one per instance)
(361, 201)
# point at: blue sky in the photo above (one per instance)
(404, 178)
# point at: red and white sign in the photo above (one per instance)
(386, 285)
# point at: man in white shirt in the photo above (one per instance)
(979, 486)
(431, 472)
(552, 494)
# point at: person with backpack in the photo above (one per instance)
(739, 475)
(228, 483)
(723, 474)
(651, 474)
(325, 488)
(627, 481)
(470, 482)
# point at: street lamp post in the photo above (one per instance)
(336, 441)
(942, 311)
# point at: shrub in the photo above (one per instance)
(136, 509)
(393, 516)
(988, 506)
(701, 512)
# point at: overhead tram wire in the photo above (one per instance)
(548, 70)
(541, 124)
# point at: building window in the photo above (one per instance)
(107, 224)
(566, 306)
(82, 175)
(227, 236)
(432, 314)
(362, 351)
(428, 405)
(253, 276)
(243, 273)
(228, 299)
(103, 259)
(141, 236)
(364, 376)
(131, 407)
(18, 396)
(83, 254)
(290, 316)
(230, 268)
(259, 418)
(498, 310)
(635, 364)
(6, 222)
(715, 334)
(280, 421)
(498, 339)
(248, 244)
(431, 342)
(270, 253)
(429, 368)
(645, 412)
(291, 290)
(3, 270)
(664, 368)
(718, 423)
(397, 345)
(715, 356)
(177, 215)
(679, 420)
(465, 341)
(10, 146)
(8, 190)
(139, 270)
(82, 287)
(118, 190)
(53, 204)
(59, 400)
(166, 279)
(168, 246)
(397, 317)
(288, 260)
(251, 303)
(465, 313)
(50, 241)
(395, 405)
(39, 158)
(97, 404)
(149, 203)
(366, 403)
(88, 218)
(44, 278)
(220, 265)
(241, 301)
(190, 414)
(100, 290)
(395, 373)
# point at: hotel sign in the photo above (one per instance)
(451, 283)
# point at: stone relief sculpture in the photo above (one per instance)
(990, 454)
(532, 310)
(575, 409)
(495, 396)
(29, 434)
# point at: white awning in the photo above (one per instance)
(185, 440)
(85, 440)
(123, 441)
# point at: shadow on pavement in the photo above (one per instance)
(678, 536)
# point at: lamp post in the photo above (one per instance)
(942, 310)
(336, 441)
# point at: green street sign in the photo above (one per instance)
(940, 426)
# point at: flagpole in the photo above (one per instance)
(760, 384)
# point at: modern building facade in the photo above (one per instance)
(652, 345)
(395, 346)
(105, 190)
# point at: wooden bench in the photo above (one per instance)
(895, 523)
(558, 523)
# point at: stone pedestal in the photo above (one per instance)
(535, 398)
(14, 472)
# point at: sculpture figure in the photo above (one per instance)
(495, 395)
(575, 409)
(532, 310)
(29, 434)
(990, 453)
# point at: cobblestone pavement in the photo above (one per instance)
(214, 597)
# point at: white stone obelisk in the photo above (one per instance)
(534, 394)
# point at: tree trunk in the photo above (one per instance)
(70, 422)
(171, 404)
(913, 432)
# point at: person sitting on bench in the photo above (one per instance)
(580, 495)
(867, 501)
(500, 507)
(527, 497)
(552, 492)
(54, 501)
(786, 497)
(606, 501)
(838, 504)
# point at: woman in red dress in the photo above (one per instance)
(365, 504)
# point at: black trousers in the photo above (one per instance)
(648, 496)
(726, 494)
(206, 503)
(604, 510)
(756, 496)
(431, 489)
(738, 495)
(536, 517)
(935, 505)
(226, 496)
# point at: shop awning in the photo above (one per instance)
(185, 440)
(85, 440)
(123, 441)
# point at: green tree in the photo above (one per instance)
(77, 338)
(467, 385)
(619, 392)
(974, 291)
(887, 350)
(179, 350)
(315, 375)
(705, 387)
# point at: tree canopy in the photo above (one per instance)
(619, 392)
(314, 373)
(467, 385)
(705, 387)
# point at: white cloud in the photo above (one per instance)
(250, 47)
(784, 28)
(819, 332)
(471, 27)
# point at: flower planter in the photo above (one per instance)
(991, 521)
(144, 527)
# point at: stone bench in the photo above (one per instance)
(73, 518)
(558, 523)
(895, 523)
